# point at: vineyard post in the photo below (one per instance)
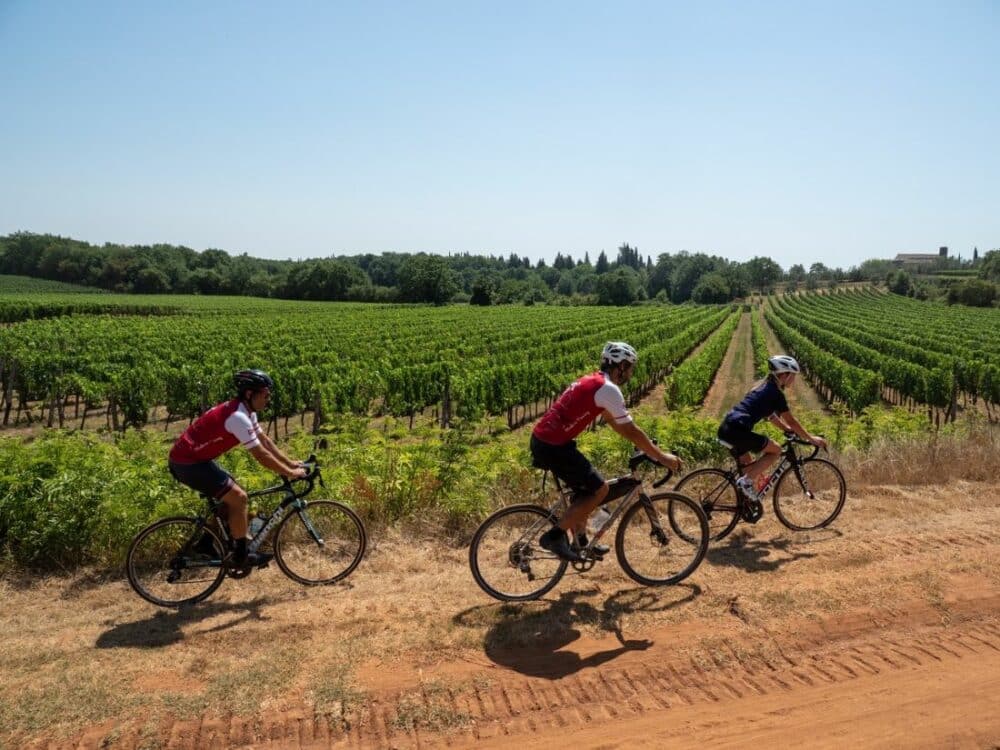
(317, 412)
(9, 392)
(446, 402)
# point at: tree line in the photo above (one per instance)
(626, 278)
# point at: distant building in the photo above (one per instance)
(919, 259)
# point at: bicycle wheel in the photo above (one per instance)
(170, 563)
(715, 492)
(320, 543)
(648, 548)
(506, 559)
(810, 496)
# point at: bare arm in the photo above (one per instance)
(274, 463)
(798, 429)
(266, 441)
(632, 432)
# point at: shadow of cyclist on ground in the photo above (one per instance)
(532, 638)
(743, 551)
(164, 627)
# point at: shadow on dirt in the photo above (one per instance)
(743, 551)
(531, 638)
(164, 628)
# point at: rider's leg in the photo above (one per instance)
(575, 518)
(236, 501)
(764, 462)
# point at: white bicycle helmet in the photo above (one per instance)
(783, 363)
(618, 351)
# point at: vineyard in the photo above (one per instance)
(359, 359)
(130, 356)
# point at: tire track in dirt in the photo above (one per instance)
(832, 654)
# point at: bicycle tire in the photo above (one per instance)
(504, 548)
(829, 489)
(641, 543)
(717, 494)
(334, 556)
(164, 550)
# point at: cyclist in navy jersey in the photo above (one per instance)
(224, 426)
(765, 401)
(553, 446)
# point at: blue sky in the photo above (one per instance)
(805, 131)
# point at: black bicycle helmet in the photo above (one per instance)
(252, 380)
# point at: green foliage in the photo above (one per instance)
(973, 292)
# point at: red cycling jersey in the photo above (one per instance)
(222, 427)
(578, 406)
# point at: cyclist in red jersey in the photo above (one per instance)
(224, 426)
(553, 446)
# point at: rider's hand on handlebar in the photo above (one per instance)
(819, 442)
(673, 462)
(301, 472)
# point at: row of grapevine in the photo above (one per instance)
(760, 352)
(829, 375)
(690, 381)
(331, 358)
(976, 372)
(934, 386)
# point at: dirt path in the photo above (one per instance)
(883, 631)
(735, 374)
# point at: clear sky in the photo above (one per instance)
(805, 131)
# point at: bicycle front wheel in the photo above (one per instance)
(715, 492)
(506, 559)
(649, 547)
(175, 561)
(321, 543)
(810, 496)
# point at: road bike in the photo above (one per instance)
(809, 492)
(183, 559)
(509, 563)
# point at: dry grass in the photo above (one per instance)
(926, 460)
(78, 651)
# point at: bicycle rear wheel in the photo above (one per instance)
(506, 559)
(175, 561)
(810, 496)
(321, 543)
(649, 548)
(715, 492)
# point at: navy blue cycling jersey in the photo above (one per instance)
(761, 402)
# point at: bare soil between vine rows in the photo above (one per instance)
(883, 631)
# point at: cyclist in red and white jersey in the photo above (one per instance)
(553, 444)
(224, 426)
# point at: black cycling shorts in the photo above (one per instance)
(206, 477)
(568, 464)
(743, 439)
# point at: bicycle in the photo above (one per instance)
(509, 564)
(183, 559)
(812, 500)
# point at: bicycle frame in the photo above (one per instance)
(789, 460)
(291, 501)
(623, 499)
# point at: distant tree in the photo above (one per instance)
(797, 272)
(973, 292)
(619, 287)
(711, 288)
(629, 256)
(990, 267)
(899, 283)
(427, 278)
(484, 289)
(763, 273)
(602, 263)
